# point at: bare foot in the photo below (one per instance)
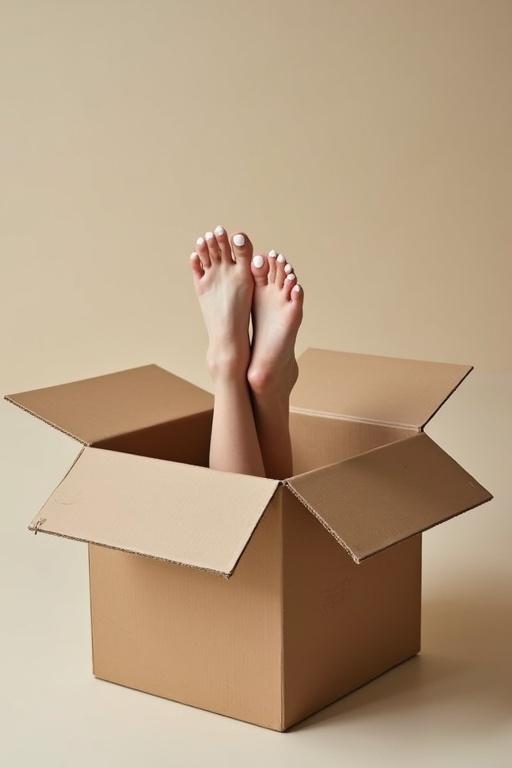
(224, 285)
(276, 316)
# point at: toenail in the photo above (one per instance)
(291, 276)
(288, 269)
(296, 289)
(219, 230)
(194, 255)
(272, 254)
(239, 240)
(209, 235)
(200, 241)
(280, 258)
(258, 261)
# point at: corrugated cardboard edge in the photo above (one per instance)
(10, 399)
(322, 521)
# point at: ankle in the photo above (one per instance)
(226, 363)
(269, 382)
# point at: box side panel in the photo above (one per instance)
(386, 390)
(194, 637)
(318, 440)
(344, 624)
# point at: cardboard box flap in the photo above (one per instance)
(378, 498)
(384, 390)
(177, 512)
(94, 409)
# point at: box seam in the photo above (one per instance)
(356, 419)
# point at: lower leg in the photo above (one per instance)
(271, 416)
(234, 445)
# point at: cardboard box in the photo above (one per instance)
(322, 571)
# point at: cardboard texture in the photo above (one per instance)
(322, 571)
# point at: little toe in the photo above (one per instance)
(223, 244)
(197, 267)
(202, 251)
(297, 299)
(242, 249)
(259, 269)
(213, 247)
(280, 273)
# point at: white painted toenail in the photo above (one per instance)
(296, 289)
(288, 269)
(209, 235)
(280, 258)
(239, 240)
(272, 254)
(194, 255)
(219, 230)
(200, 241)
(258, 261)
(291, 276)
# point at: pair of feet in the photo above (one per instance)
(233, 285)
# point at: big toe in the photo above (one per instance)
(259, 269)
(242, 249)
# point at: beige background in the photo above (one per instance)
(368, 141)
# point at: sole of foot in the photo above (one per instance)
(224, 286)
(277, 308)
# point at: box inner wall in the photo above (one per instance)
(316, 440)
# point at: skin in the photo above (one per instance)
(250, 431)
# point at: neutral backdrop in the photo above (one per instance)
(369, 141)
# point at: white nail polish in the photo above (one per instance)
(296, 289)
(280, 258)
(258, 261)
(219, 230)
(194, 255)
(272, 254)
(288, 269)
(209, 235)
(239, 240)
(200, 241)
(291, 276)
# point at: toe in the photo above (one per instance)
(280, 273)
(202, 251)
(289, 282)
(259, 269)
(223, 244)
(272, 256)
(197, 267)
(242, 249)
(213, 247)
(297, 297)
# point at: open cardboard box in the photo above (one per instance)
(322, 587)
